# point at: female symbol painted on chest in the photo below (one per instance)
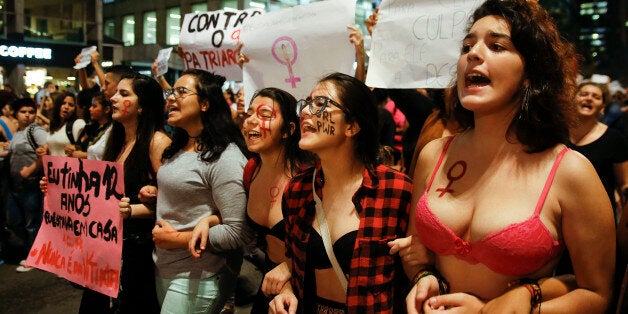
(451, 177)
(274, 192)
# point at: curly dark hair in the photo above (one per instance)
(219, 130)
(360, 102)
(550, 68)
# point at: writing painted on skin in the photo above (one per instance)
(326, 126)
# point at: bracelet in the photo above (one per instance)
(443, 285)
(536, 295)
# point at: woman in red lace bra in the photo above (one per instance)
(497, 203)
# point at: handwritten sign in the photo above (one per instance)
(162, 61)
(293, 48)
(209, 40)
(86, 57)
(417, 43)
(80, 237)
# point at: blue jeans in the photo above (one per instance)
(184, 295)
(24, 214)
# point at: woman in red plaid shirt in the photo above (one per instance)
(365, 205)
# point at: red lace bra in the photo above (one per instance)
(519, 249)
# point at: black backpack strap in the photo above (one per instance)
(30, 137)
(68, 132)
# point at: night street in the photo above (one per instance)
(38, 291)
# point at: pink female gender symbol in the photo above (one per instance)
(453, 178)
(286, 58)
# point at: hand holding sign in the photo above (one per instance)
(86, 57)
(292, 48)
(81, 233)
(162, 61)
(416, 43)
(209, 41)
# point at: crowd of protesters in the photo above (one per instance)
(503, 193)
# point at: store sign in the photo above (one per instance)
(25, 52)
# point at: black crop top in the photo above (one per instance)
(343, 249)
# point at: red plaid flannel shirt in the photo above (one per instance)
(383, 204)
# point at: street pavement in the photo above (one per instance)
(40, 292)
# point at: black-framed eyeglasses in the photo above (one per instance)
(178, 92)
(318, 104)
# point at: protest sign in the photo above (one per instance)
(293, 48)
(209, 40)
(80, 237)
(417, 43)
(86, 57)
(162, 61)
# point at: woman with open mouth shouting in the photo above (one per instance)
(271, 132)
(341, 213)
(497, 203)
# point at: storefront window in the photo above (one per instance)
(233, 4)
(128, 30)
(150, 28)
(173, 26)
(109, 28)
(64, 20)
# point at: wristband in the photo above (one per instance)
(443, 285)
(536, 295)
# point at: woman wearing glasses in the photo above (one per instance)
(201, 179)
(347, 197)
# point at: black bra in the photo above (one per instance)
(278, 230)
(343, 248)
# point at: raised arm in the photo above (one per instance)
(355, 37)
(160, 78)
(95, 56)
(82, 74)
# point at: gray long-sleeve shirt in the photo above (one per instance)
(190, 189)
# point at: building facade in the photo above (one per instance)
(602, 37)
(40, 39)
(145, 27)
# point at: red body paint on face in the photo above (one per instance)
(126, 104)
(265, 114)
(453, 178)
